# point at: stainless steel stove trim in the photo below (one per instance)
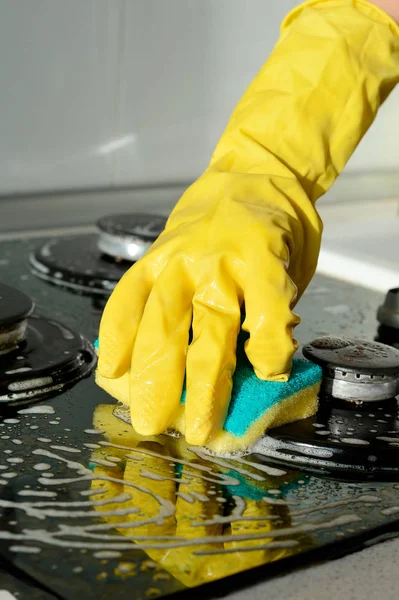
(360, 391)
(130, 248)
(41, 271)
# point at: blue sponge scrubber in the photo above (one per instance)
(255, 405)
(258, 405)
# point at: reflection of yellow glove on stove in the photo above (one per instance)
(247, 233)
(198, 509)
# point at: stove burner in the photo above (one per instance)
(355, 432)
(74, 263)
(355, 370)
(339, 441)
(388, 312)
(15, 308)
(128, 237)
(93, 264)
(39, 357)
(388, 317)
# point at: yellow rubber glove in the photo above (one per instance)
(246, 233)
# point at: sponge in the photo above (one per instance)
(255, 405)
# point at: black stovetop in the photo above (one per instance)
(88, 509)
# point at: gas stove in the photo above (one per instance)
(39, 357)
(93, 264)
(90, 509)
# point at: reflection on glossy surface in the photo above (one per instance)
(154, 513)
(211, 529)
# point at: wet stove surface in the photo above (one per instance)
(88, 509)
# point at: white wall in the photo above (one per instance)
(117, 92)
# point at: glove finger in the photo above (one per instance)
(159, 356)
(120, 322)
(211, 358)
(270, 321)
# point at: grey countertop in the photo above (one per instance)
(371, 574)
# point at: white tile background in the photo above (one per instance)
(99, 93)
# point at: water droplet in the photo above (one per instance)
(93, 431)
(77, 569)
(42, 466)
(107, 554)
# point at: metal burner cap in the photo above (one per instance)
(15, 308)
(128, 236)
(388, 313)
(356, 370)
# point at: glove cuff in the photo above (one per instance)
(363, 6)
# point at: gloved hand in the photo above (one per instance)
(146, 472)
(246, 235)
